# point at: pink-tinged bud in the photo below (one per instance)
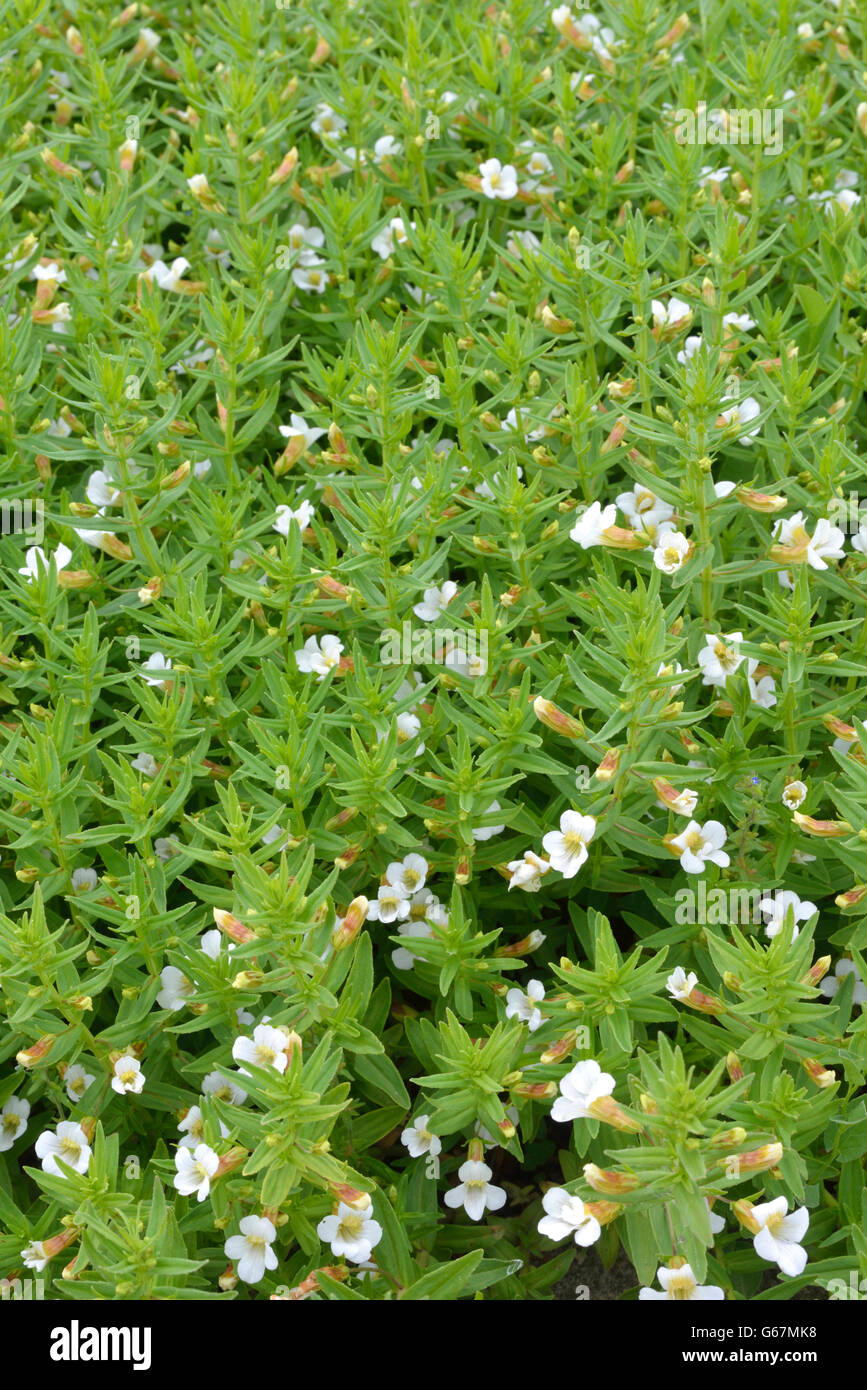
(756, 1161)
(675, 33)
(57, 166)
(648, 1104)
(231, 1160)
(88, 1122)
(43, 465)
(605, 1212)
(350, 1196)
(249, 979)
(524, 947)
(175, 479)
(817, 972)
(609, 765)
(732, 981)
(615, 438)
(233, 927)
(609, 1110)
(836, 727)
(852, 896)
(624, 173)
(560, 1049)
(608, 1182)
(331, 587)
(295, 447)
(535, 1090)
(150, 591)
(506, 1128)
(54, 1245)
(476, 1151)
(37, 1052)
(704, 1003)
(743, 1210)
(342, 818)
(621, 390)
(406, 96)
(285, 169)
(728, 1138)
(228, 1280)
(824, 829)
(760, 501)
(553, 718)
(823, 1077)
(113, 545)
(126, 155)
(351, 925)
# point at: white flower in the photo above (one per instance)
(671, 552)
(776, 906)
(681, 1284)
(566, 1216)
(419, 1140)
(386, 147)
(319, 654)
(643, 509)
(393, 234)
(146, 763)
(327, 124)
(101, 491)
(299, 428)
(763, 691)
(34, 1256)
(266, 1048)
(76, 1080)
(742, 322)
(435, 601)
(195, 1170)
(794, 795)
(741, 413)
(402, 958)
(408, 875)
(683, 804)
(302, 516)
(84, 880)
(176, 988)
(592, 523)
(680, 985)
(408, 728)
(778, 1239)
(526, 1006)
(826, 542)
(158, 665)
(720, 658)
(251, 1251)
(390, 905)
(305, 242)
(487, 832)
(35, 557)
(579, 1088)
(52, 271)
(561, 18)
(710, 175)
(211, 942)
(351, 1233)
(13, 1121)
(691, 345)
(475, 1193)
(670, 315)
(832, 983)
(227, 1091)
(701, 845)
(128, 1076)
(167, 277)
(68, 1143)
(527, 873)
(498, 180)
(567, 847)
(310, 278)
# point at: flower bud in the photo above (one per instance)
(609, 765)
(756, 1161)
(37, 1052)
(609, 1110)
(824, 829)
(553, 718)
(345, 934)
(604, 1212)
(535, 1090)
(553, 323)
(728, 1138)
(560, 1049)
(823, 1077)
(522, 947)
(818, 970)
(609, 1182)
(233, 927)
(760, 501)
(350, 1196)
(733, 1067)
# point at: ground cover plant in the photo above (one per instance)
(432, 761)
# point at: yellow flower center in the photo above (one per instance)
(573, 842)
(681, 1287)
(350, 1226)
(69, 1146)
(128, 1078)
